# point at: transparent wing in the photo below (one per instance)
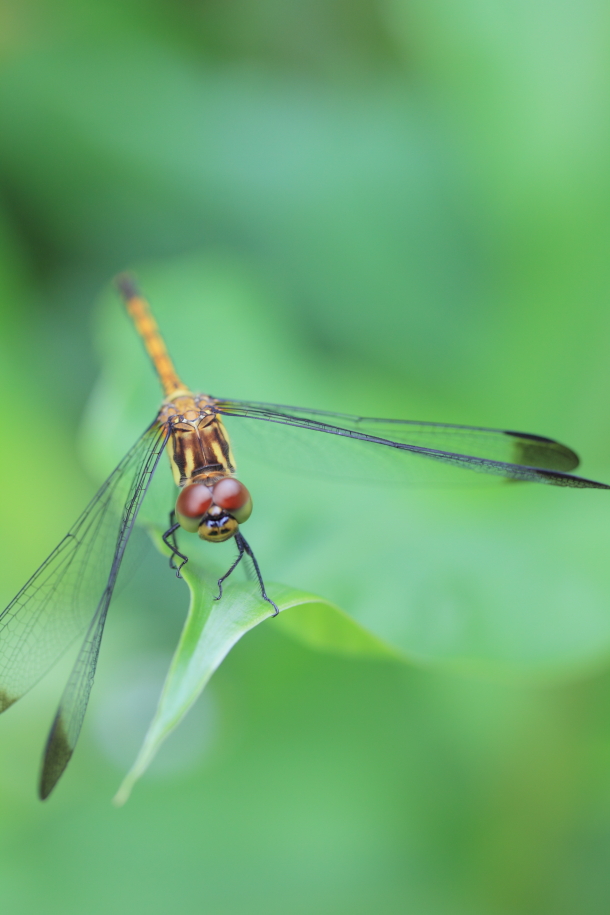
(129, 484)
(74, 585)
(61, 598)
(516, 455)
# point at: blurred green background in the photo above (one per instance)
(384, 207)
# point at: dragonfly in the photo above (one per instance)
(70, 593)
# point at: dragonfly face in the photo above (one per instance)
(214, 512)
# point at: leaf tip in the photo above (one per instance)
(124, 792)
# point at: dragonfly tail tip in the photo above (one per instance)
(127, 286)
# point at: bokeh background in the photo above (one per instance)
(385, 207)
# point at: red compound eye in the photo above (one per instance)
(194, 500)
(230, 494)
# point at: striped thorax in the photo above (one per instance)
(199, 448)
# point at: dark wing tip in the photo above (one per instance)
(57, 756)
(6, 701)
(127, 286)
(537, 451)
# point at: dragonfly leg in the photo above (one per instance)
(172, 521)
(246, 546)
(172, 537)
(240, 556)
(169, 539)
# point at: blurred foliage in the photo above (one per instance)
(382, 207)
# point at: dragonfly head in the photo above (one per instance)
(215, 513)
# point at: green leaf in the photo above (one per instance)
(322, 625)
(213, 627)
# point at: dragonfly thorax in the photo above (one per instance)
(213, 508)
(198, 442)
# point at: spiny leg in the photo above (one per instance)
(240, 555)
(169, 539)
(246, 546)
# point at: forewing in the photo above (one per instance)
(69, 718)
(62, 597)
(516, 455)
